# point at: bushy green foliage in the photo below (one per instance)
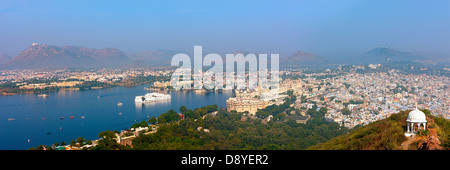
(227, 131)
(387, 134)
(277, 110)
(346, 111)
(141, 124)
(108, 142)
(168, 117)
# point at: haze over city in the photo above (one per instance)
(328, 28)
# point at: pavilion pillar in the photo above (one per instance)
(412, 127)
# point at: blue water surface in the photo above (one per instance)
(38, 119)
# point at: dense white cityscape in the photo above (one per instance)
(351, 98)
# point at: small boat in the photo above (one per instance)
(71, 117)
(119, 104)
(60, 128)
(82, 117)
(61, 118)
(120, 113)
(49, 133)
(43, 95)
(11, 119)
(44, 118)
(28, 140)
(28, 118)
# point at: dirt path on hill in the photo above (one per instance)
(406, 143)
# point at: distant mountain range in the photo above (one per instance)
(304, 58)
(48, 56)
(385, 54)
(4, 59)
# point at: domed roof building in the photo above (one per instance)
(416, 116)
(416, 121)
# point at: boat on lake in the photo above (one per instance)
(61, 118)
(11, 119)
(119, 104)
(71, 117)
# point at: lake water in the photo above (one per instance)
(38, 119)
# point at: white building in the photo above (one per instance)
(416, 121)
(152, 97)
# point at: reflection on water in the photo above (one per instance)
(160, 103)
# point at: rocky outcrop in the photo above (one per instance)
(430, 142)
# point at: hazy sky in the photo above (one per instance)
(327, 28)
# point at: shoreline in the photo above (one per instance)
(70, 89)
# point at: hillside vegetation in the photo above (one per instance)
(228, 130)
(387, 134)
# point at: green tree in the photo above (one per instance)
(80, 140)
(170, 116)
(183, 109)
(262, 114)
(201, 111)
(108, 141)
(72, 143)
(346, 111)
(107, 134)
(323, 111)
(191, 114)
(152, 120)
(141, 124)
(303, 99)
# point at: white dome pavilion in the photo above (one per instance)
(416, 116)
(415, 119)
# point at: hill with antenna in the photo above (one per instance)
(49, 56)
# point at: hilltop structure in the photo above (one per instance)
(416, 121)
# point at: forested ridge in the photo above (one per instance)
(202, 130)
(227, 130)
